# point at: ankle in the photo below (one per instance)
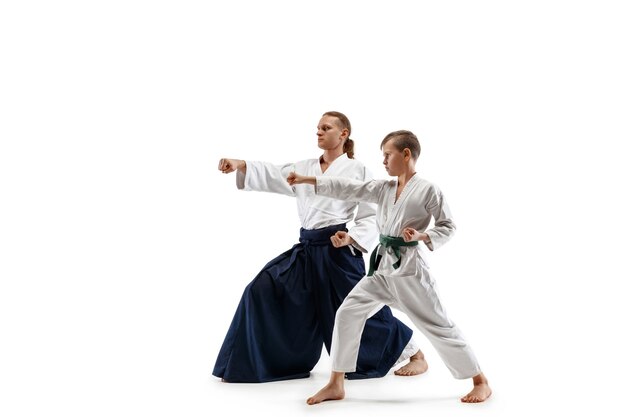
(417, 357)
(480, 379)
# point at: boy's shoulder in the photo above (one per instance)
(426, 184)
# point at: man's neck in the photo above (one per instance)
(329, 156)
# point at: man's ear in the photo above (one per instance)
(406, 152)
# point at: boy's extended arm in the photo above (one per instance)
(349, 189)
(295, 179)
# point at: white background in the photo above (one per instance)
(123, 250)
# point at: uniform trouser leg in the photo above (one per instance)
(275, 333)
(418, 298)
(349, 324)
(383, 338)
(415, 296)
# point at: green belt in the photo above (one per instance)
(388, 242)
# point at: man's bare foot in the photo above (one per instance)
(480, 392)
(329, 392)
(417, 365)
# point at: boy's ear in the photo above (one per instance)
(406, 152)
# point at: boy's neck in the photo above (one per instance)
(406, 176)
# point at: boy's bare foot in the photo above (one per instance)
(417, 365)
(329, 392)
(480, 392)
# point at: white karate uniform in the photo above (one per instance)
(316, 211)
(410, 288)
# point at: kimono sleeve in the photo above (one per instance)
(349, 189)
(263, 176)
(444, 226)
(364, 232)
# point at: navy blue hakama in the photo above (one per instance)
(287, 312)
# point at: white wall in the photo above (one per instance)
(124, 251)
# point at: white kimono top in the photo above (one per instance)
(316, 211)
(419, 202)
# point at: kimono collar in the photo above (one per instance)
(342, 156)
(340, 160)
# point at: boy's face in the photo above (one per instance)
(394, 160)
